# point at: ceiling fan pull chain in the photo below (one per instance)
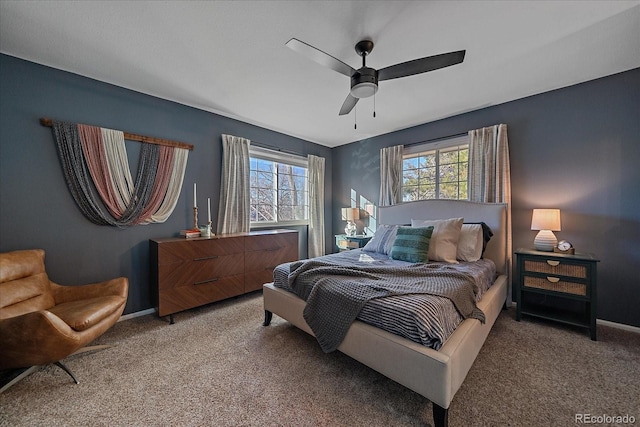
(355, 117)
(374, 105)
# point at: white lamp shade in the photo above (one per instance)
(546, 219)
(350, 214)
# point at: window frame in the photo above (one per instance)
(415, 150)
(280, 157)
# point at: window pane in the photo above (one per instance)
(463, 171)
(448, 157)
(410, 193)
(265, 179)
(428, 161)
(464, 190)
(428, 174)
(265, 165)
(410, 163)
(449, 173)
(427, 192)
(449, 191)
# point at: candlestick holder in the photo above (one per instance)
(195, 217)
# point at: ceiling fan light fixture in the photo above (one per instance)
(364, 90)
(364, 83)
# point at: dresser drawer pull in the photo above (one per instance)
(277, 248)
(206, 258)
(206, 281)
(553, 263)
(553, 279)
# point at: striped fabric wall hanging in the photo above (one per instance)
(96, 170)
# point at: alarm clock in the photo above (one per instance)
(565, 247)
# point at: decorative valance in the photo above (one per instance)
(96, 170)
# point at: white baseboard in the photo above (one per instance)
(137, 314)
(629, 328)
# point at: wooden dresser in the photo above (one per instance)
(191, 272)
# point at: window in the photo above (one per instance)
(436, 171)
(278, 188)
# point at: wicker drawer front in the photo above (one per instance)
(553, 284)
(562, 268)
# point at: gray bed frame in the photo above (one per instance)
(436, 375)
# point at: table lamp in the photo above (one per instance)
(350, 214)
(547, 221)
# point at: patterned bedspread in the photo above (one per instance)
(423, 317)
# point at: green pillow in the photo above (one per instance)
(412, 244)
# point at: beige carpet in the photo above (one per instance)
(217, 366)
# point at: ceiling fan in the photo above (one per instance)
(364, 81)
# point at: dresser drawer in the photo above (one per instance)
(270, 259)
(551, 283)
(185, 297)
(194, 272)
(179, 251)
(271, 242)
(551, 266)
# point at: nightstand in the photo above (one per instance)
(568, 280)
(346, 243)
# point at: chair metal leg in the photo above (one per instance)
(91, 348)
(62, 366)
(59, 364)
(19, 378)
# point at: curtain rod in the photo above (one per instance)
(437, 139)
(273, 147)
(133, 137)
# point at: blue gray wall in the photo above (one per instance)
(576, 148)
(36, 209)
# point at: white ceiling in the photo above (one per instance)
(230, 58)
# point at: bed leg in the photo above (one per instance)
(267, 318)
(440, 416)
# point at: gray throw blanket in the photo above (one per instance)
(335, 294)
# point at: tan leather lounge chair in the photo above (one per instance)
(42, 322)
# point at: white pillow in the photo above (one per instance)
(443, 245)
(382, 240)
(470, 242)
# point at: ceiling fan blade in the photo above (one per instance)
(320, 57)
(348, 104)
(421, 65)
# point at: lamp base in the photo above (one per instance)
(350, 229)
(545, 241)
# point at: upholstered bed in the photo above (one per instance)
(434, 374)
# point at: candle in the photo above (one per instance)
(208, 210)
(195, 204)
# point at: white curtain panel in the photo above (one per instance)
(233, 211)
(490, 174)
(316, 206)
(391, 175)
